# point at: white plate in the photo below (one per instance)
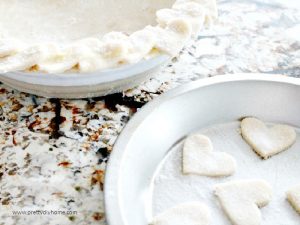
(161, 124)
(171, 187)
(84, 85)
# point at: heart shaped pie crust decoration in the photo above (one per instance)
(265, 141)
(191, 213)
(241, 200)
(293, 196)
(199, 158)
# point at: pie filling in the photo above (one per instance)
(57, 36)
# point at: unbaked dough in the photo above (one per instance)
(242, 199)
(56, 36)
(199, 158)
(42, 21)
(293, 196)
(265, 141)
(191, 213)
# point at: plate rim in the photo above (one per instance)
(83, 79)
(111, 196)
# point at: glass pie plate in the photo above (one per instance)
(71, 35)
(84, 85)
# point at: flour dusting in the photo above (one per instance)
(171, 187)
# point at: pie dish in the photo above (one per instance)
(55, 36)
(144, 177)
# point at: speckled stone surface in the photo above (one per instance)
(54, 152)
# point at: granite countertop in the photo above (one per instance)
(54, 152)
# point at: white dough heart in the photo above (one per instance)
(265, 141)
(293, 196)
(241, 200)
(192, 213)
(199, 158)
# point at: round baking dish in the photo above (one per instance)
(84, 85)
(61, 39)
(163, 123)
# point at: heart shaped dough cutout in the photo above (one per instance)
(293, 196)
(199, 158)
(265, 141)
(241, 200)
(192, 213)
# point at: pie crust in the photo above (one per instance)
(56, 36)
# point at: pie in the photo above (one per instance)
(56, 36)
